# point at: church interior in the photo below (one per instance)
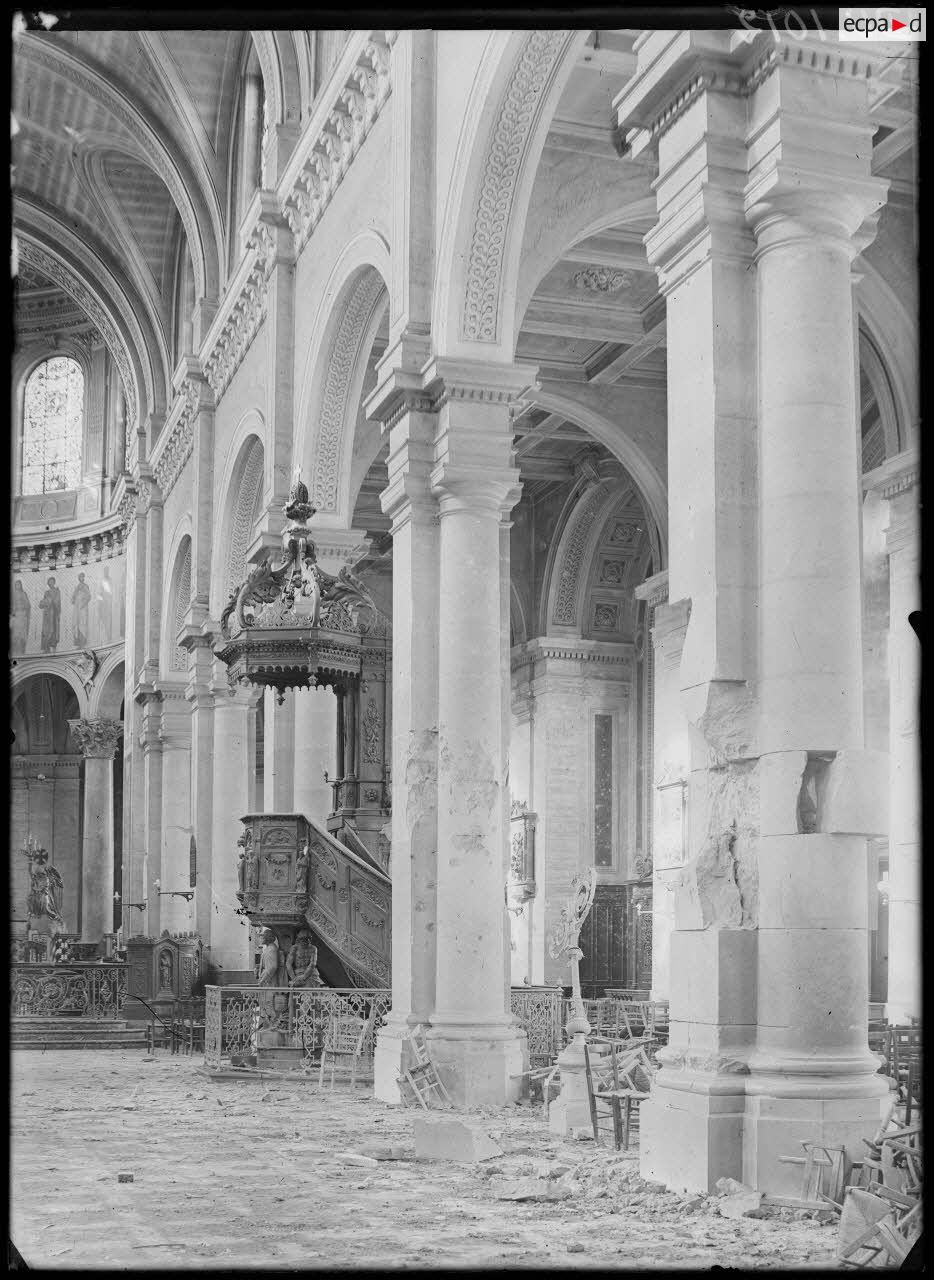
(465, 543)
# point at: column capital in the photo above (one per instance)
(97, 738)
(467, 488)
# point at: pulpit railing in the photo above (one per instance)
(87, 989)
(234, 1015)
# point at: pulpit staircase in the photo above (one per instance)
(294, 874)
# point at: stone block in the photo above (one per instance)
(812, 882)
(444, 1138)
(689, 1139)
(813, 992)
(712, 976)
(747, 1205)
(780, 775)
(856, 794)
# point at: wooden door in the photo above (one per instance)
(617, 940)
(602, 941)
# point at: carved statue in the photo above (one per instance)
(44, 897)
(270, 961)
(301, 870)
(301, 962)
(51, 606)
(165, 971)
(249, 864)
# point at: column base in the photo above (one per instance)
(388, 1058)
(571, 1109)
(480, 1065)
(776, 1127)
(691, 1135)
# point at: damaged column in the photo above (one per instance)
(474, 1041)
(407, 499)
(691, 1130)
(670, 769)
(811, 203)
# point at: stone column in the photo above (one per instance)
(898, 480)
(98, 742)
(315, 731)
(176, 914)
(691, 1131)
(670, 757)
(150, 741)
(233, 780)
(408, 501)
(278, 752)
(479, 1052)
(811, 203)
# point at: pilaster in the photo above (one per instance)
(97, 740)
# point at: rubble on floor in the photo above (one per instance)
(269, 1174)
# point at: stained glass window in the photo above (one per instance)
(53, 417)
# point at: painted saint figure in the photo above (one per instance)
(19, 621)
(51, 606)
(81, 598)
(104, 603)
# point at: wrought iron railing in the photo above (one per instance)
(94, 990)
(234, 1015)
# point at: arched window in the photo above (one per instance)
(53, 422)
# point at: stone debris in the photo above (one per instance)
(524, 1207)
(530, 1189)
(443, 1138)
(741, 1206)
(124, 1177)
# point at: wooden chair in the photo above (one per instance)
(419, 1081)
(616, 1084)
(343, 1044)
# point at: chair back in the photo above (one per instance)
(344, 1034)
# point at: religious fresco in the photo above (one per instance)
(68, 609)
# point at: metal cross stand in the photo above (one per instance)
(565, 942)
(572, 1108)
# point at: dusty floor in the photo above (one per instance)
(247, 1175)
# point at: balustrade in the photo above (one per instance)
(94, 990)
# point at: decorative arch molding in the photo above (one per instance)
(118, 100)
(241, 491)
(352, 307)
(46, 666)
(88, 282)
(279, 64)
(872, 364)
(585, 513)
(514, 96)
(108, 692)
(177, 595)
(520, 628)
(651, 488)
(894, 336)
